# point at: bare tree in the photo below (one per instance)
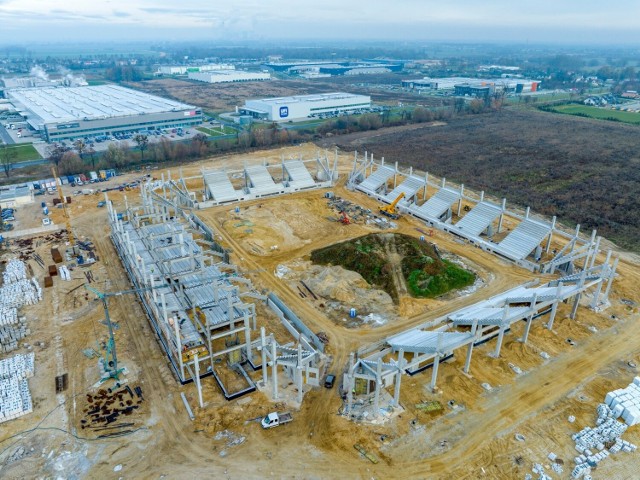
(55, 152)
(80, 147)
(143, 142)
(92, 153)
(70, 163)
(7, 158)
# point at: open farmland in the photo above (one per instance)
(582, 170)
(599, 113)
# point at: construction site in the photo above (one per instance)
(161, 330)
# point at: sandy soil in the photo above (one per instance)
(474, 439)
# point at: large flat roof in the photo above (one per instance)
(319, 97)
(57, 105)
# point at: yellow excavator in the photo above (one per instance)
(390, 210)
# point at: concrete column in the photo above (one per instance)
(467, 362)
(595, 252)
(612, 275)
(197, 379)
(596, 295)
(554, 307)
(426, 185)
(574, 309)
(263, 343)
(376, 395)
(504, 207)
(460, 201)
(395, 176)
(398, 379)
(496, 353)
(553, 224)
(176, 328)
(351, 383)
(299, 373)
(247, 337)
(527, 328)
(274, 369)
(434, 374)
(396, 392)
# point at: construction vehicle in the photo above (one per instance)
(67, 215)
(275, 419)
(391, 210)
(344, 219)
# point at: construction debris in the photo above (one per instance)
(365, 454)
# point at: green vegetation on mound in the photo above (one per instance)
(380, 257)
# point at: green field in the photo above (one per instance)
(24, 152)
(216, 132)
(599, 113)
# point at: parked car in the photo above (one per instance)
(329, 380)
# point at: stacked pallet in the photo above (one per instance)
(15, 398)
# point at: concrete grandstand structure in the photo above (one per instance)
(284, 109)
(523, 245)
(68, 113)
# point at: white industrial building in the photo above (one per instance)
(13, 196)
(517, 85)
(76, 112)
(228, 76)
(184, 69)
(302, 106)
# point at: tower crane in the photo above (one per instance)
(111, 357)
(67, 215)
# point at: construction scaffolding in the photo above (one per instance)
(195, 299)
(524, 245)
(192, 298)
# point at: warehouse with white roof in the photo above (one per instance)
(76, 112)
(299, 107)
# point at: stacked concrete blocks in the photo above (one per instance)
(15, 292)
(625, 402)
(15, 398)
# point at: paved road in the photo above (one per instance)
(28, 163)
(6, 138)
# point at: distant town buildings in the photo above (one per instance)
(478, 87)
(186, 69)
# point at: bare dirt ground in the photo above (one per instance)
(473, 440)
(223, 97)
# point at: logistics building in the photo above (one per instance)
(184, 69)
(76, 112)
(228, 76)
(299, 107)
(515, 85)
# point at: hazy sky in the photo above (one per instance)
(535, 21)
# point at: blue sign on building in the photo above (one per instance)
(284, 112)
